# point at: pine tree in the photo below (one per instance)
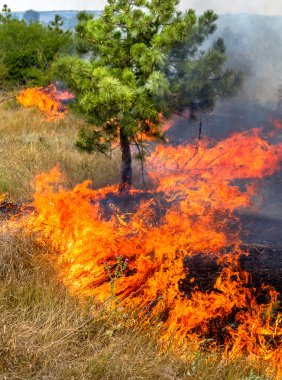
(145, 60)
(6, 14)
(56, 24)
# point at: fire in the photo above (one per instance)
(139, 256)
(277, 124)
(48, 100)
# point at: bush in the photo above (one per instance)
(27, 50)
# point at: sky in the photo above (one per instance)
(264, 7)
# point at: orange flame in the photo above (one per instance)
(48, 100)
(147, 248)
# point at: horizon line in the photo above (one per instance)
(100, 10)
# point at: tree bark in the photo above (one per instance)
(126, 161)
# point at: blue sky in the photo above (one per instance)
(266, 7)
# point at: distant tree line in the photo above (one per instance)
(31, 16)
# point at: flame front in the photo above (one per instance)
(190, 211)
(48, 100)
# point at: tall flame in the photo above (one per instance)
(190, 211)
(48, 100)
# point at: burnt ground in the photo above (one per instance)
(263, 263)
(9, 210)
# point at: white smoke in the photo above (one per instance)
(262, 7)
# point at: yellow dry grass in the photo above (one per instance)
(29, 145)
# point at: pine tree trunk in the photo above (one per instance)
(126, 169)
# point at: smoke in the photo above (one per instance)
(262, 7)
(252, 47)
(252, 43)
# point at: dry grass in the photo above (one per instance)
(30, 145)
(45, 333)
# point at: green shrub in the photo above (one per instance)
(27, 50)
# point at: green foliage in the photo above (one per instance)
(82, 44)
(201, 81)
(56, 24)
(115, 272)
(27, 50)
(3, 72)
(89, 139)
(146, 58)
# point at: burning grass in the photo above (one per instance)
(130, 265)
(46, 333)
(138, 257)
(49, 100)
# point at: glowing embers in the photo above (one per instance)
(190, 212)
(49, 100)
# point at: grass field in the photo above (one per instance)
(45, 333)
(29, 145)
